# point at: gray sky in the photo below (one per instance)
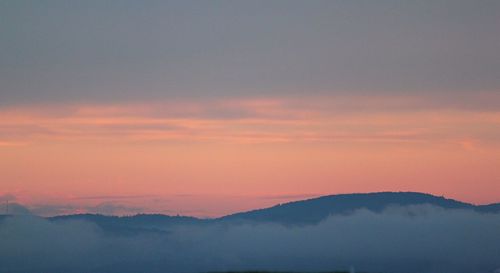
(101, 51)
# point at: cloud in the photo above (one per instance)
(7, 197)
(55, 209)
(14, 209)
(418, 239)
(342, 119)
(111, 208)
(104, 208)
(289, 196)
(114, 197)
(112, 52)
(7, 205)
(45, 244)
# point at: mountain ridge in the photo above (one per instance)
(313, 210)
(301, 212)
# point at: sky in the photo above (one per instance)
(206, 108)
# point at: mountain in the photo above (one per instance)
(491, 208)
(309, 211)
(314, 210)
(438, 241)
(130, 225)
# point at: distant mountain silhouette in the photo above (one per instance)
(13, 209)
(161, 243)
(492, 208)
(316, 209)
(308, 211)
(130, 225)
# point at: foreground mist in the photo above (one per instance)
(415, 239)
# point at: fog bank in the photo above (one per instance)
(413, 239)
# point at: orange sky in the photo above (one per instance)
(209, 158)
(206, 108)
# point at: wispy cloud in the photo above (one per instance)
(290, 196)
(365, 119)
(12, 143)
(114, 197)
(105, 208)
(7, 197)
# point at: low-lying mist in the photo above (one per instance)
(414, 239)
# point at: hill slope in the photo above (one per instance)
(314, 210)
(309, 211)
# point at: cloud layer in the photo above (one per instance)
(162, 50)
(412, 239)
(258, 120)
